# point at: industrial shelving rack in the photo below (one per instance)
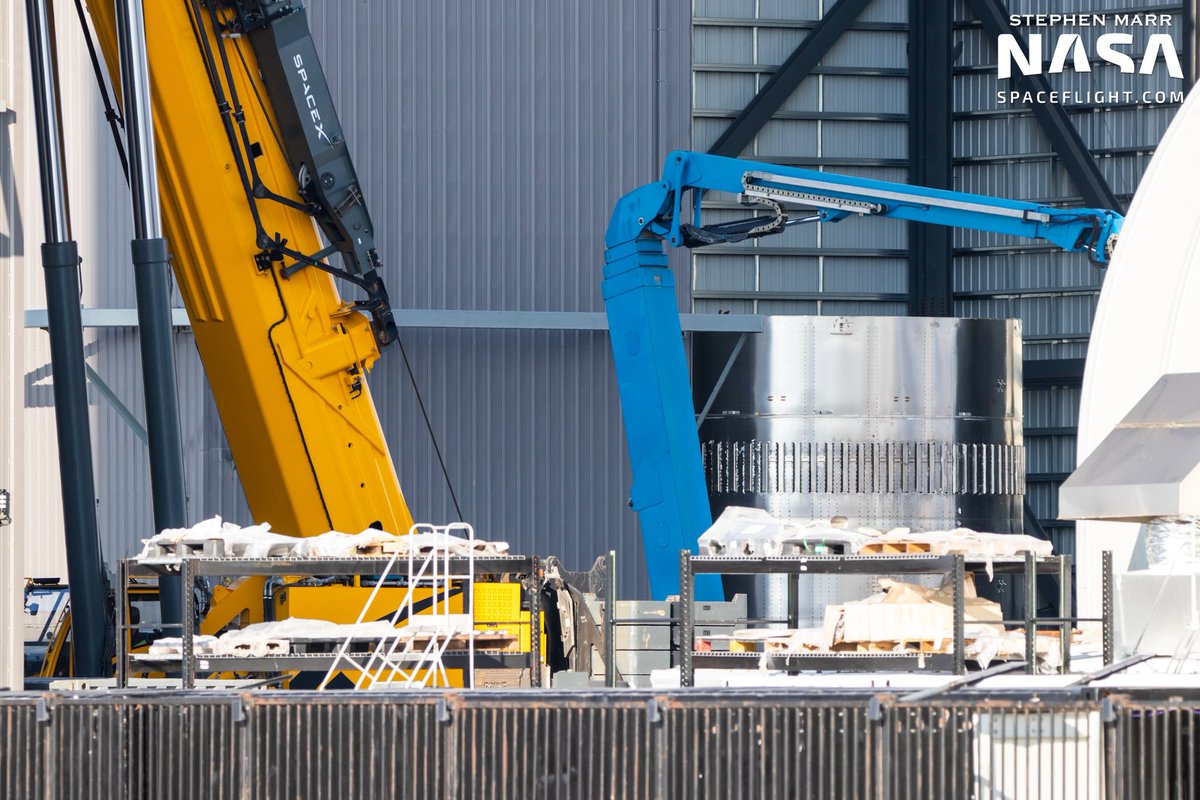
(188, 568)
(956, 566)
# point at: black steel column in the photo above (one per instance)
(1188, 43)
(90, 627)
(610, 621)
(151, 271)
(930, 146)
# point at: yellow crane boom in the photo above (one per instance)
(285, 355)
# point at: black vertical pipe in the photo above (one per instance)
(1190, 46)
(151, 274)
(90, 624)
(152, 264)
(930, 148)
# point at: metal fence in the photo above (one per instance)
(616, 744)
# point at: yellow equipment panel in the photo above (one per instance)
(498, 607)
(343, 604)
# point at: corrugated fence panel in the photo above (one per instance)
(185, 750)
(1158, 747)
(992, 750)
(733, 743)
(552, 746)
(738, 747)
(142, 748)
(337, 745)
(23, 754)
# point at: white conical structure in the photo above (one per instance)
(1147, 323)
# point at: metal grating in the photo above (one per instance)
(553, 746)
(759, 467)
(323, 746)
(728, 743)
(23, 755)
(1158, 745)
(725, 747)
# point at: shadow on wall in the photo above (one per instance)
(12, 234)
(39, 388)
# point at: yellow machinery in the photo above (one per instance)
(286, 357)
(58, 660)
(497, 606)
(250, 179)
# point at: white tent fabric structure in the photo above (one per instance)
(1147, 323)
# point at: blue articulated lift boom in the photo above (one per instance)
(669, 492)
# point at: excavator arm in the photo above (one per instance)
(669, 492)
(253, 170)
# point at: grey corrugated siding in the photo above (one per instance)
(123, 480)
(493, 140)
(100, 219)
(1003, 151)
(498, 136)
(736, 48)
(999, 150)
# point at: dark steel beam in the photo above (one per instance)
(1063, 136)
(1189, 44)
(1053, 372)
(779, 88)
(930, 152)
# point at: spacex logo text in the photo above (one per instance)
(310, 100)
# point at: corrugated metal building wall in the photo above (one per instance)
(851, 116)
(101, 222)
(499, 136)
(95, 213)
(492, 140)
(1000, 149)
